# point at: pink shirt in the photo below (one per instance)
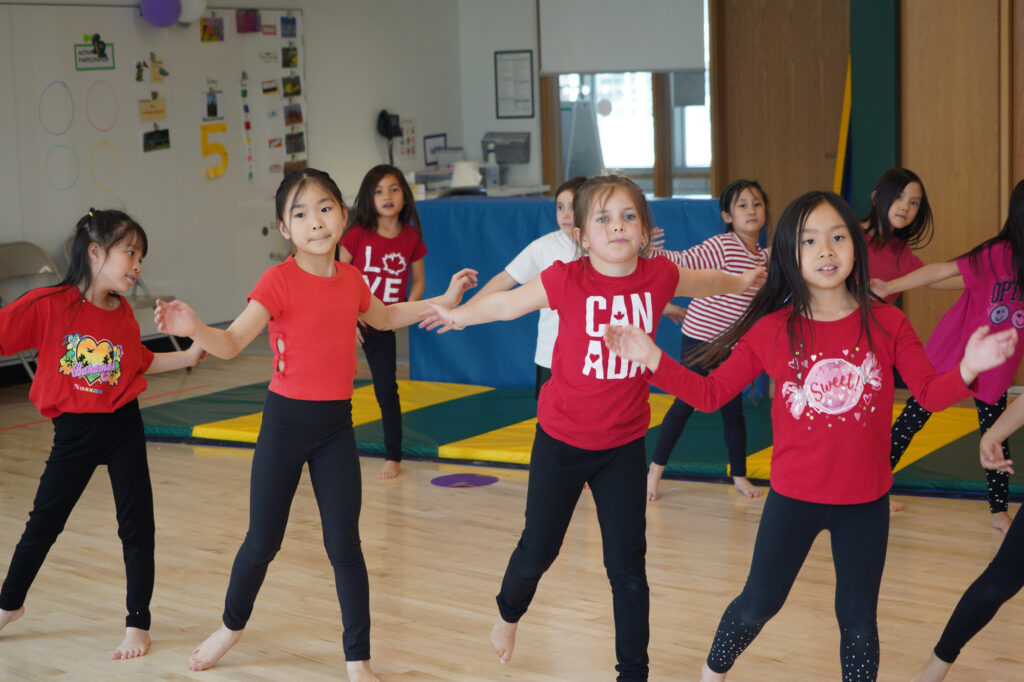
(596, 400)
(832, 408)
(991, 297)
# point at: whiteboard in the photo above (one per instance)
(72, 139)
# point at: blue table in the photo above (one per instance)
(485, 233)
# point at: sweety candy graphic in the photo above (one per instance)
(832, 386)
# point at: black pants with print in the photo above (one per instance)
(860, 534)
(294, 433)
(618, 481)
(994, 587)
(381, 350)
(734, 426)
(82, 442)
(913, 418)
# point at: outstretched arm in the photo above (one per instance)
(985, 351)
(700, 283)
(500, 282)
(165, 362)
(401, 315)
(503, 305)
(178, 318)
(922, 277)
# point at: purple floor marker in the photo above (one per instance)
(464, 480)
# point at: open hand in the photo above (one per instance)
(657, 238)
(176, 318)
(753, 279)
(985, 351)
(632, 343)
(992, 456)
(438, 316)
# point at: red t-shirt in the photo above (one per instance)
(90, 359)
(315, 319)
(596, 400)
(385, 261)
(888, 262)
(832, 408)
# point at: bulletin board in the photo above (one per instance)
(189, 129)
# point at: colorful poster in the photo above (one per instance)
(156, 139)
(211, 104)
(289, 27)
(247, 20)
(98, 55)
(295, 143)
(211, 29)
(290, 57)
(291, 86)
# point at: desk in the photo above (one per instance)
(485, 233)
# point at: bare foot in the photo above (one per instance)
(709, 675)
(503, 639)
(745, 487)
(895, 505)
(932, 671)
(213, 648)
(1001, 521)
(653, 479)
(10, 616)
(359, 671)
(136, 643)
(391, 469)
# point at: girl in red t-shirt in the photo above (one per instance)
(594, 412)
(311, 304)
(89, 374)
(384, 243)
(831, 352)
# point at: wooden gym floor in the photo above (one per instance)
(436, 556)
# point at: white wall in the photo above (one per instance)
(486, 26)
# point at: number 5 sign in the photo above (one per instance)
(211, 148)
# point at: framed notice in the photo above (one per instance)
(513, 83)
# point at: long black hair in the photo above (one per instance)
(888, 188)
(732, 192)
(296, 181)
(364, 210)
(1012, 233)
(785, 286)
(105, 228)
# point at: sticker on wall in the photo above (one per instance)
(157, 72)
(211, 29)
(153, 109)
(272, 114)
(269, 29)
(292, 166)
(289, 57)
(275, 168)
(295, 143)
(293, 114)
(156, 139)
(274, 143)
(291, 86)
(268, 56)
(289, 27)
(211, 105)
(247, 20)
(269, 87)
(94, 55)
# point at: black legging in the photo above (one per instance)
(734, 426)
(82, 442)
(293, 433)
(913, 418)
(860, 533)
(381, 348)
(994, 587)
(617, 480)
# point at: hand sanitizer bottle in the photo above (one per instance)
(491, 171)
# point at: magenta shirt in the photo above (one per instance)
(991, 297)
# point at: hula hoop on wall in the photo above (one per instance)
(113, 94)
(71, 99)
(92, 170)
(46, 168)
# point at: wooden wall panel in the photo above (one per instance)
(950, 130)
(778, 72)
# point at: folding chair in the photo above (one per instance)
(25, 266)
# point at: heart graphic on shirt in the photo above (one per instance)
(794, 363)
(594, 358)
(95, 361)
(846, 352)
(867, 398)
(856, 415)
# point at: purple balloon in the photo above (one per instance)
(161, 13)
